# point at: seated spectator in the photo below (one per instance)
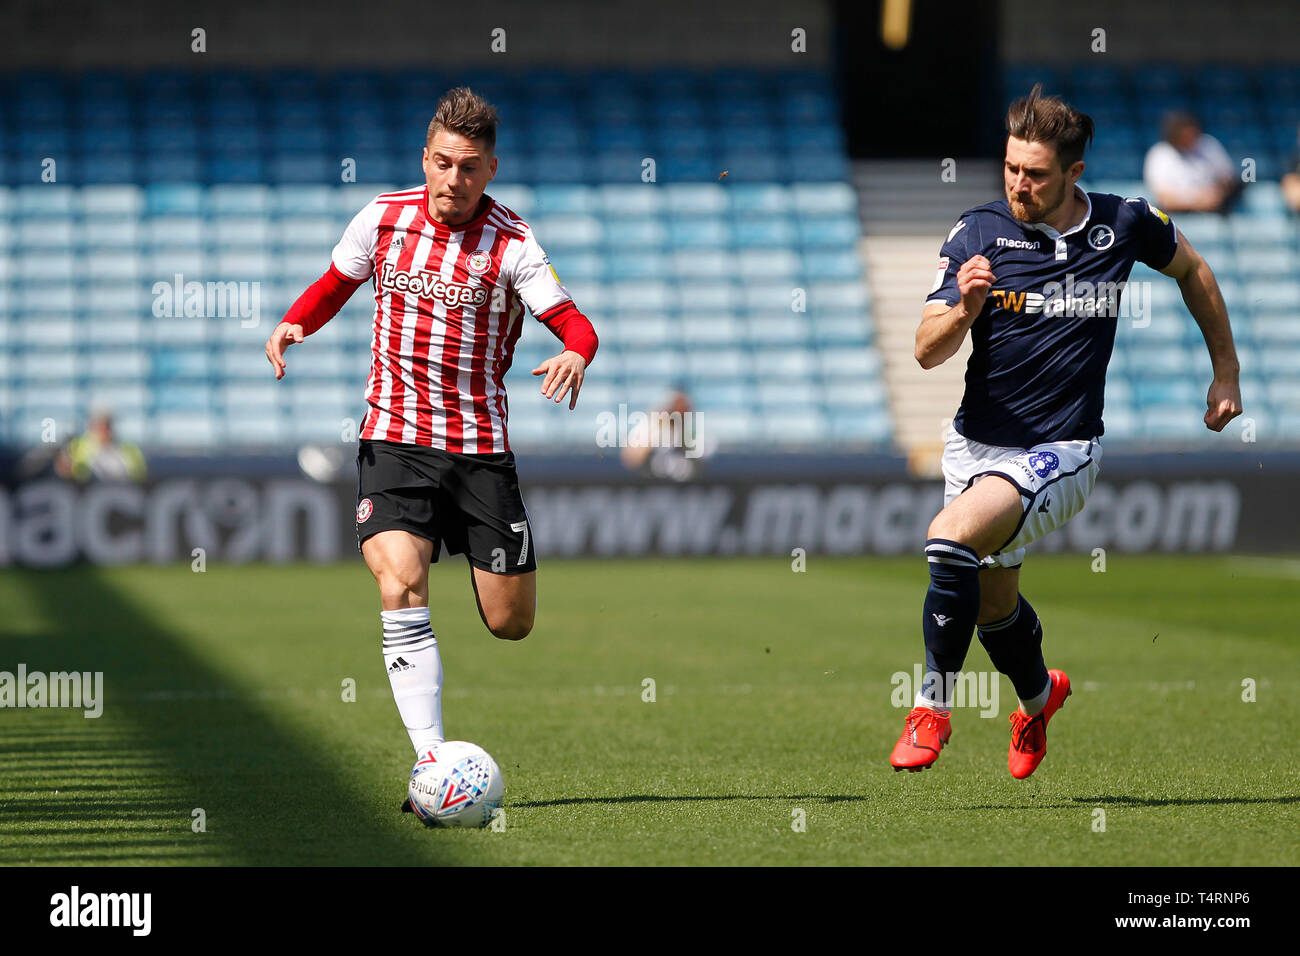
(99, 456)
(667, 443)
(1291, 179)
(1189, 170)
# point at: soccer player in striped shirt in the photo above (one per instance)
(452, 271)
(1034, 278)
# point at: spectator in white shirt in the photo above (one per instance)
(1189, 170)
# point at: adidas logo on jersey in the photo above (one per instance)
(429, 285)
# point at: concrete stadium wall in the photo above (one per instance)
(78, 34)
(1187, 31)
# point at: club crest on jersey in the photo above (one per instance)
(1101, 237)
(477, 263)
(429, 285)
(364, 510)
(1043, 463)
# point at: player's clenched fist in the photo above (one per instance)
(1224, 404)
(283, 336)
(974, 279)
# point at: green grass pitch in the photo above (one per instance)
(224, 693)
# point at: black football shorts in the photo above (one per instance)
(471, 503)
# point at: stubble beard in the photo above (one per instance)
(1022, 214)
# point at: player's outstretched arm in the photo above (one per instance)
(1204, 300)
(317, 305)
(943, 328)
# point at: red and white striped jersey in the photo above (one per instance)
(448, 310)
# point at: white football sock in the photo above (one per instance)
(1033, 706)
(415, 673)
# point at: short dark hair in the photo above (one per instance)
(463, 111)
(1049, 119)
(1175, 122)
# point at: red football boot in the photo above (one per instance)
(924, 734)
(1029, 734)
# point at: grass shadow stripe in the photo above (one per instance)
(269, 796)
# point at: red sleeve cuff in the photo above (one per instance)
(572, 328)
(322, 300)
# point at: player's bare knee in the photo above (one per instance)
(398, 586)
(950, 528)
(514, 627)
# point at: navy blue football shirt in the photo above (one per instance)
(1044, 337)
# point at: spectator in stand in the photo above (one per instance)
(1189, 170)
(667, 443)
(1291, 179)
(97, 455)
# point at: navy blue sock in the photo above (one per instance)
(1015, 646)
(952, 606)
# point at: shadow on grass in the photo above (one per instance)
(1128, 801)
(682, 798)
(128, 783)
(1183, 801)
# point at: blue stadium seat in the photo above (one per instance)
(787, 329)
(707, 329)
(767, 199)
(795, 427)
(837, 296)
(46, 233)
(768, 264)
(45, 200)
(834, 332)
(714, 296)
(116, 233)
(112, 330)
(105, 167)
(860, 426)
(170, 168)
(174, 363)
(733, 427)
(733, 395)
(237, 178)
(564, 197)
(832, 264)
(829, 231)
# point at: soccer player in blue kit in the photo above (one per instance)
(1033, 277)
